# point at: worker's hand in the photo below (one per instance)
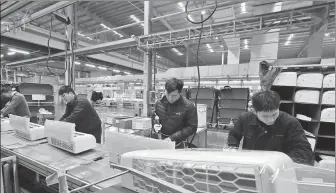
(167, 139)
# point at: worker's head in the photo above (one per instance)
(266, 106)
(173, 88)
(7, 91)
(67, 93)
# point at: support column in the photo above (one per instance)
(223, 57)
(233, 45)
(187, 46)
(148, 13)
(263, 47)
(70, 75)
(317, 34)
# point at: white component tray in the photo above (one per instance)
(328, 115)
(313, 80)
(328, 98)
(307, 96)
(286, 79)
(329, 81)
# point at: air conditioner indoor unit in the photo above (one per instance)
(63, 135)
(25, 129)
(211, 171)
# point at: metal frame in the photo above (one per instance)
(13, 160)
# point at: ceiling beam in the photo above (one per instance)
(41, 13)
(101, 20)
(13, 8)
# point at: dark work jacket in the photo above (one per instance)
(178, 120)
(285, 135)
(81, 112)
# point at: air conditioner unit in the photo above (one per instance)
(211, 171)
(313, 80)
(23, 128)
(63, 135)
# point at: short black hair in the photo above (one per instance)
(174, 84)
(6, 89)
(66, 89)
(266, 101)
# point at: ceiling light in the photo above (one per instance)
(327, 34)
(245, 41)
(11, 53)
(89, 38)
(180, 4)
(216, 38)
(290, 37)
(211, 50)
(19, 51)
(208, 46)
(287, 43)
(102, 68)
(127, 73)
(116, 70)
(78, 63)
(90, 65)
(203, 12)
(243, 7)
(1, 55)
(80, 34)
(245, 47)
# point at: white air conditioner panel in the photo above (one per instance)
(313, 80)
(328, 115)
(286, 79)
(212, 170)
(328, 97)
(329, 81)
(307, 96)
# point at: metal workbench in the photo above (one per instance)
(44, 160)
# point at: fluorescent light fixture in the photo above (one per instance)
(177, 52)
(221, 46)
(89, 38)
(11, 53)
(327, 34)
(90, 65)
(104, 26)
(78, 63)
(180, 4)
(290, 37)
(80, 34)
(203, 12)
(216, 38)
(287, 43)
(243, 7)
(102, 68)
(208, 46)
(245, 41)
(211, 50)
(127, 73)
(245, 47)
(1, 55)
(116, 70)
(19, 51)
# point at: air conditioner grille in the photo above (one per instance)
(62, 144)
(23, 134)
(196, 177)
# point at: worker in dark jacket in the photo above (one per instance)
(17, 104)
(80, 112)
(177, 115)
(269, 129)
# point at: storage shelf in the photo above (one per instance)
(286, 101)
(303, 103)
(307, 88)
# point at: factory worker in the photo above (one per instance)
(267, 128)
(17, 104)
(177, 115)
(80, 111)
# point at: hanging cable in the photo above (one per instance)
(53, 73)
(202, 21)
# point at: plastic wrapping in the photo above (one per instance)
(217, 171)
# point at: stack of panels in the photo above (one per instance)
(206, 96)
(232, 103)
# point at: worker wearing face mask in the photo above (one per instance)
(177, 115)
(80, 112)
(267, 128)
